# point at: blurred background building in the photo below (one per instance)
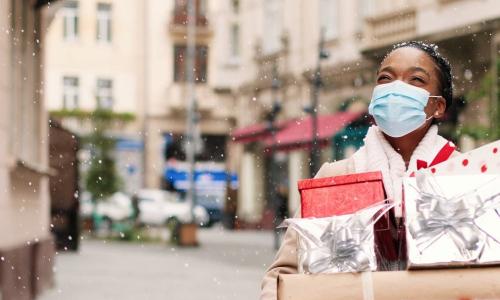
(280, 43)
(91, 65)
(141, 72)
(26, 248)
(256, 70)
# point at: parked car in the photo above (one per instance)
(159, 207)
(112, 213)
(118, 207)
(213, 205)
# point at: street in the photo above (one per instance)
(227, 265)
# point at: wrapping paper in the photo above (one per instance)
(483, 160)
(338, 195)
(452, 220)
(338, 244)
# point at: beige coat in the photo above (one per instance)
(286, 259)
(369, 157)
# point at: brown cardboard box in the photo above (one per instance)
(456, 284)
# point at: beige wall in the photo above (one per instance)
(24, 201)
(88, 59)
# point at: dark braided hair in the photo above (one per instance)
(443, 65)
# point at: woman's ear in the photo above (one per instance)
(440, 108)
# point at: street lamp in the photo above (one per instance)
(271, 119)
(188, 231)
(317, 83)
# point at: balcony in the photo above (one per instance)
(180, 18)
(179, 21)
(384, 29)
(177, 98)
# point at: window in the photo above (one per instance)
(328, 18)
(235, 41)
(70, 20)
(200, 63)
(104, 22)
(272, 26)
(235, 5)
(181, 13)
(365, 9)
(70, 93)
(104, 93)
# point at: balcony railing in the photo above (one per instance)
(180, 18)
(384, 29)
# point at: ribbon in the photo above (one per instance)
(342, 250)
(454, 217)
(344, 243)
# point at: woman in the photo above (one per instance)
(414, 88)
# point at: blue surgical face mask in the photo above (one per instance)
(398, 107)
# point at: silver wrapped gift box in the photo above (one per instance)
(452, 220)
(338, 244)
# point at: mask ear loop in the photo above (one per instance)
(435, 113)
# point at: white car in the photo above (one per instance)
(117, 207)
(158, 207)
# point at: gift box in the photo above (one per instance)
(483, 160)
(452, 220)
(448, 284)
(344, 243)
(333, 196)
(346, 194)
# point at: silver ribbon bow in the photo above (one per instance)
(341, 249)
(438, 215)
(340, 243)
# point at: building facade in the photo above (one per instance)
(26, 246)
(256, 62)
(94, 59)
(167, 92)
(129, 56)
(279, 59)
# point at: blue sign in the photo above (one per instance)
(210, 181)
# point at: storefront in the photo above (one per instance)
(273, 163)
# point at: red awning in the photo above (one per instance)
(255, 132)
(298, 133)
(251, 133)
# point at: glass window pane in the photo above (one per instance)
(105, 93)
(104, 18)
(235, 40)
(70, 20)
(70, 92)
(328, 17)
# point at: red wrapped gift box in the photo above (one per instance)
(340, 195)
(346, 194)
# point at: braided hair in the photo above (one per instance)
(443, 66)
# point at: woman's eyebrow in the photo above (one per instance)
(419, 69)
(386, 69)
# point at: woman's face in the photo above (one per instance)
(415, 67)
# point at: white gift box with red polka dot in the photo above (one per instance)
(452, 214)
(483, 160)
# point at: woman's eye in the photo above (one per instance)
(417, 79)
(383, 78)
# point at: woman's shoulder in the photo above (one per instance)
(340, 167)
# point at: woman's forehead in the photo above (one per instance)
(406, 58)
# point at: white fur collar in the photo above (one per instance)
(378, 155)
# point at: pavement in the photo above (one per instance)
(226, 265)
